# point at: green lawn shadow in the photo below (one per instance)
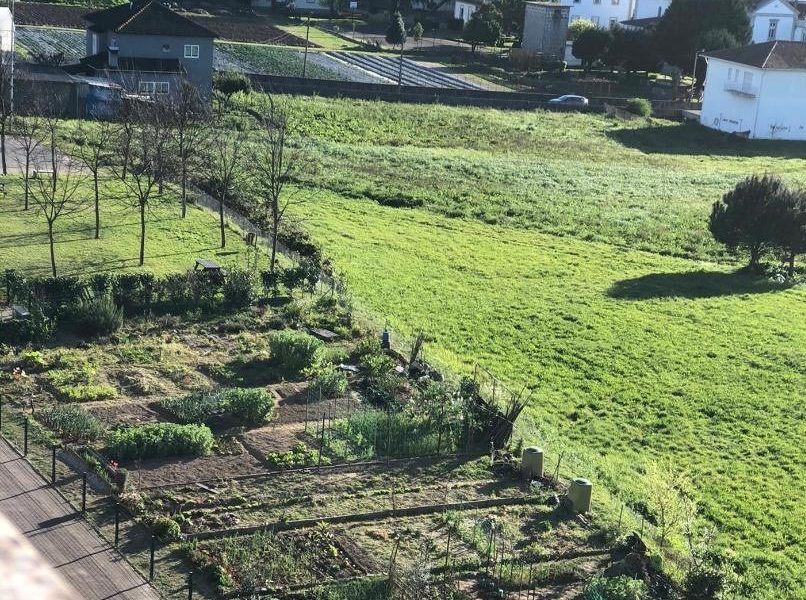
(694, 139)
(692, 284)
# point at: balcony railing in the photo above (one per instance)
(740, 87)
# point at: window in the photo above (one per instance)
(803, 36)
(147, 87)
(166, 47)
(730, 73)
(94, 43)
(577, 1)
(597, 1)
(462, 13)
(615, 2)
(163, 87)
(191, 51)
(613, 22)
(595, 21)
(772, 33)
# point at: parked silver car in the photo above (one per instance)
(569, 100)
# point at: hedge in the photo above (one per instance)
(157, 440)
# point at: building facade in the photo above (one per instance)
(545, 29)
(758, 91)
(149, 49)
(783, 20)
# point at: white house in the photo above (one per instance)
(6, 29)
(758, 91)
(464, 9)
(778, 20)
(608, 13)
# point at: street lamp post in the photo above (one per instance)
(307, 36)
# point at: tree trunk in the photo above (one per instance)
(3, 145)
(221, 221)
(274, 235)
(52, 250)
(184, 189)
(27, 182)
(142, 233)
(97, 207)
(792, 262)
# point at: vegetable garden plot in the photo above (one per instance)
(59, 15)
(48, 42)
(388, 68)
(266, 560)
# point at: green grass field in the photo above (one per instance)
(633, 356)
(643, 186)
(172, 244)
(576, 260)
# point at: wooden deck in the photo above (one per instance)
(88, 564)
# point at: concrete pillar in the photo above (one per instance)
(532, 463)
(579, 493)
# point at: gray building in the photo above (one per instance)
(545, 29)
(148, 49)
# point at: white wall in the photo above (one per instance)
(647, 9)
(6, 29)
(776, 108)
(602, 12)
(464, 10)
(779, 11)
(782, 106)
(724, 109)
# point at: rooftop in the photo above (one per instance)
(769, 55)
(145, 17)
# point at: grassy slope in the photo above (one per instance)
(634, 356)
(171, 243)
(648, 187)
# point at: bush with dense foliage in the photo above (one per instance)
(293, 351)
(95, 316)
(196, 408)
(614, 588)
(157, 440)
(252, 406)
(639, 106)
(328, 381)
(71, 423)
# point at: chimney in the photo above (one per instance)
(112, 56)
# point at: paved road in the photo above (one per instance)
(91, 567)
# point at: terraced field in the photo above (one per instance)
(389, 68)
(47, 41)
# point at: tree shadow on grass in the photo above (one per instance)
(691, 284)
(694, 140)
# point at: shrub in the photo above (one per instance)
(96, 316)
(614, 588)
(71, 423)
(330, 381)
(237, 289)
(166, 529)
(33, 361)
(155, 440)
(250, 406)
(195, 408)
(299, 456)
(293, 351)
(639, 106)
(87, 392)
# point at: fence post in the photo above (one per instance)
(1, 414)
(448, 548)
(151, 558)
(190, 585)
(53, 465)
(322, 441)
(25, 438)
(83, 492)
(620, 514)
(117, 523)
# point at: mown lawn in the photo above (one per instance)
(634, 357)
(172, 244)
(643, 185)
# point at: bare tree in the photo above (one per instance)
(30, 133)
(144, 132)
(223, 165)
(57, 193)
(274, 163)
(189, 125)
(94, 153)
(6, 102)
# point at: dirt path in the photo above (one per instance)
(87, 563)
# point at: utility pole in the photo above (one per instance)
(307, 36)
(400, 69)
